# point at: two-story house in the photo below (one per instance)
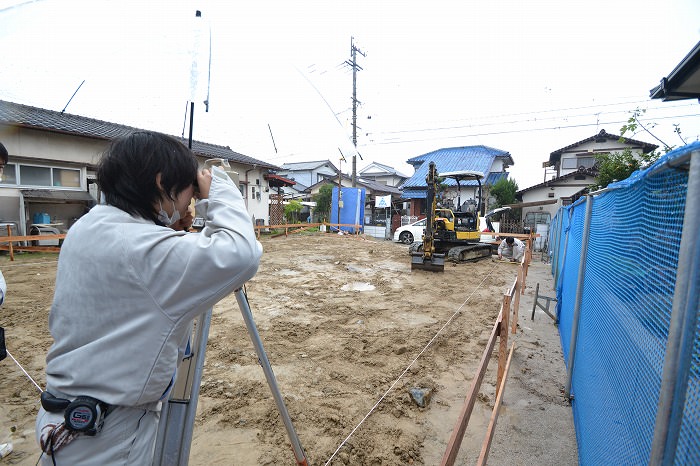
(483, 159)
(384, 174)
(574, 171)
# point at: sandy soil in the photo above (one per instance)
(349, 330)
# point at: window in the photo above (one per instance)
(573, 163)
(9, 175)
(66, 177)
(33, 175)
(534, 218)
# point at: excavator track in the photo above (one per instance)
(416, 246)
(469, 253)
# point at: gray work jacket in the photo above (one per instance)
(127, 291)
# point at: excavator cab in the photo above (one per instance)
(449, 234)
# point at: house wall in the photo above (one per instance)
(555, 191)
(44, 148)
(583, 155)
(383, 178)
(346, 183)
(255, 190)
(498, 165)
(308, 177)
(30, 147)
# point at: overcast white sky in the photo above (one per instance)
(528, 77)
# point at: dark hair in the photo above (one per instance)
(510, 240)
(3, 153)
(127, 171)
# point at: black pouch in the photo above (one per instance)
(3, 349)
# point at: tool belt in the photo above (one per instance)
(84, 414)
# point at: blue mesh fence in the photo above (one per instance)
(624, 313)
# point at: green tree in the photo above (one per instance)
(504, 191)
(323, 201)
(617, 166)
(291, 211)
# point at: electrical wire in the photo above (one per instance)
(511, 131)
(527, 120)
(459, 309)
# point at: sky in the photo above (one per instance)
(527, 77)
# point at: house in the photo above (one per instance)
(483, 159)
(305, 174)
(372, 189)
(383, 174)
(575, 171)
(50, 179)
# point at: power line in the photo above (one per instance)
(492, 133)
(564, 117)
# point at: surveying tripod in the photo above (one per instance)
(178, 414)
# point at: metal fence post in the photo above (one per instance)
(579, 293)
(681, 335)
(556, 248)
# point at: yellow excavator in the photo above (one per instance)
(454, 235)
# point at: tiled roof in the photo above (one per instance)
(421, 193)
(646, 147)
(476, 158)
(300, 166)
(389, 170)
(48, 120)
(495, 176)
(587, 172)
(376, 188)
(414, 194)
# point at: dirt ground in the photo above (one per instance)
(349, 330)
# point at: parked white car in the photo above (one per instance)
(407, 234)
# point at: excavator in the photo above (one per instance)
(454, 235)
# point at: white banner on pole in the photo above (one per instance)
(382, 202)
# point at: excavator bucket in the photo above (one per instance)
(434, 263)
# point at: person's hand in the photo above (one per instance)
(185, 223)
(204, 184)
(500, 257)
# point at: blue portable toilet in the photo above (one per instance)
(352, 210)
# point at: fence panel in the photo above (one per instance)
(627, 297)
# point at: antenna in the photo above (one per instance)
(206, 102)
(71, 97)
(272, 137)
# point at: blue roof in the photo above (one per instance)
(495, 176)
(416, 193)
(476, 158)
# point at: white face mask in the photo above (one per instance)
(165, 218)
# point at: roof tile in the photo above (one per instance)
(48, 120)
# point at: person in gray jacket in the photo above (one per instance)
(4, 157)
(129, 283)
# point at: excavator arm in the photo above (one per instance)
(427, 258)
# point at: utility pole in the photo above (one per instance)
(355, 67)
(340, 186)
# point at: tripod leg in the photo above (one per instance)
(270, 376)
(177, 415)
